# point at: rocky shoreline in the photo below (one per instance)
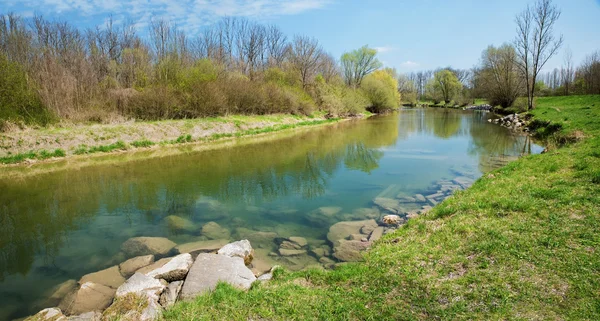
(513, 121)
(156, 272)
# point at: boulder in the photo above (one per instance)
(129, 267)
(388, 205)
(376, 234)
(342, 230)
(214, 231)
(194, 248)
(169, 296)
(405, 199)
(300, 241)
(89, 297)
(141, 284)
(392, 220)
(349, 250)
(363, 213)
(135, 306)
(138, 246)
(210, 269)
(287, 252)
(241, 249)
(260, 267)
(110, 277)
(88, 316)
(367, 229)
(289, 245)
(49, 314)
(173, 269)
(180, 224)
(323, 216)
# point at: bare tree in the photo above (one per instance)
(535, 42)
(567, 72)
(305, 55)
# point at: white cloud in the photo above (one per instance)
(384, 49)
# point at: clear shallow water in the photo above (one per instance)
(62, 225)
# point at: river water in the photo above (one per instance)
(64, 224)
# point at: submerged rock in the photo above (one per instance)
(110, 277)
(60, 291)
(138, 246)
(89, 297)
(259, 239)
(241, 249)
(209, 269)
(350, 250)
(420, 198)
(194, 248)
(392, 220)
(300, 241)
(388, 205)
(288, 252)
(342, 230)
(180, 224)
(88, 316)
(376, 234)
(214, 231)
(323, 216)
(129, 267)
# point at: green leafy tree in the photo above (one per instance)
(445, 86)
(359, 63)
(382, 90)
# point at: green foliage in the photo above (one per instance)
(18, 100)
(444, 86)
(339, 100)
(142, 143)
(380, 88)
(357, 64)
(41, 155)
(119, 145)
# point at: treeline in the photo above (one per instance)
(51, 70)
(510, 75)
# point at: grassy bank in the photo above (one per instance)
(59, 142)
(522, 243)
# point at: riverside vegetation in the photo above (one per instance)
(521, 243)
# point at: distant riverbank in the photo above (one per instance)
(37, 145)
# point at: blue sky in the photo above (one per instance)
(410, 35)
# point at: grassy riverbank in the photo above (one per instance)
(31, 145)
(522, 243)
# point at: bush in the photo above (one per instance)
(18, 100)
(381, 90)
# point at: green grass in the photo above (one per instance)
(522, 244)
(41, 155)
(119, 145)
(142, 143)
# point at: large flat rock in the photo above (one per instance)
(129, 267)
(342, 230)
(195, 248)
(174, 269)
(210, 269)
(350, 250)
(140, 284)
(241, 249)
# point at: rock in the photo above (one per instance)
(363, 213)
(376, 234)
(129, 267)
(174, 269)
(138, 246)
(420, 198)
(298, 240)
(260, 267)
(289, 245)
(89, 297)
(110, 277)
(326, 260)
(60, 291)
(88, 316)
(356, 237)
(241, 249)
(287, 252)
(342, 230)
(258, 239)
(180, 224)
(169, 296)
(389, 205)
(134, 307)
(209, 269)
(392, 220)
(318, 252)
(49, 314)
(367, 229)
(265, 277)
(194, 248)
(214, 231)
(349, 251)
(141, 284)
(323, 216)
(405, 199)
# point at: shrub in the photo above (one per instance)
(18, 100)
(381, 90)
